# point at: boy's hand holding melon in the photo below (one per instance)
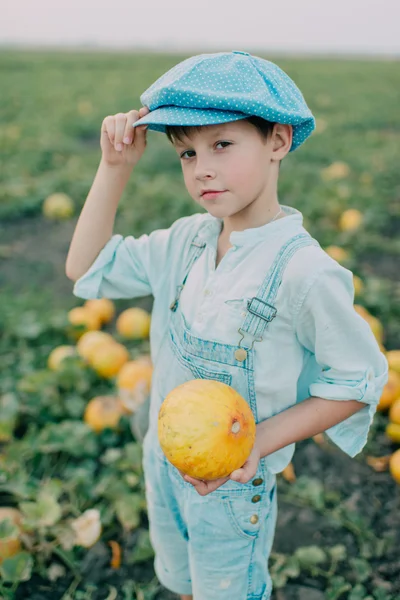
(208, 432)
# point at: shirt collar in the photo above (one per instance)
(211, 228)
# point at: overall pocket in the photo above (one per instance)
(248, 512)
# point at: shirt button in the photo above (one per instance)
(257, 481)
(208, 292)
(256, 498)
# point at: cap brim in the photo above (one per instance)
(159, 118)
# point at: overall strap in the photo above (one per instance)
(195, 250)
(261, 309)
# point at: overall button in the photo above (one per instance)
(240, 354)
(256, 498)
(257, 481)
(254, 519)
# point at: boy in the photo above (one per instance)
(242, 294)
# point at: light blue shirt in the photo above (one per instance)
(320, 346)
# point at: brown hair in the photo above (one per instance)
(178, 131)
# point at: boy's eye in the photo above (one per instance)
(193, 152)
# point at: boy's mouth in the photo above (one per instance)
(210, 194)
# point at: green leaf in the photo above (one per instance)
(72, 437)
(310, 556)
(128, 510)
(279, 580)
(9, 407)
(8, 529)
(36, 381)
(17, 568)
(338, 552)
(358, 593)
(45, 512)
(309, 489)
(337, 587)
(361, 568)
(382, 594)
(143, 549)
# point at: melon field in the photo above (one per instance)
(73, 522)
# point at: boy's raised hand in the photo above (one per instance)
(121, 144)
(242, 475)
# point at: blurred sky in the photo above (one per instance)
(305, 26)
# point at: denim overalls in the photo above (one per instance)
(215, 547)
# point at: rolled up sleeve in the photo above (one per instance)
(352, 366)
(129, 267)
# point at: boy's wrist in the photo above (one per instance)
(116, 168)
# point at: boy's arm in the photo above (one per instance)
(96, 221)
(302, 421)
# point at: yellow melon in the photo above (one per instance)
(104, 308)
(90, 341)
(108, 359)
(133, 323)
(393, 432)
(391, 391)
(82, 319)
(134, 382)
(350, 220)
(374, 323)
(206, 429)
(58, 206)
(11, 545)
(102, 412)
(394, 411)
(358, 285)
(58, 354)
(393, 358)
(339, 254)
(337, 170)
(394, 465)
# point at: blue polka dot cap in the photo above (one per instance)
(226, 86)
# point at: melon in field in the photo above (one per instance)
(350, 220)
(108, 359)
(87, 528)
(358, 285)
(391, 391)
(90, 341)
(206, 429)
(58, 206)
(373, 322)
(337, 170)
(103, 412)
(104, 308)
(10, 527)
(337, 253)
(133, 323)
(58, 354)
(82, 319)
(393, 358)
(134, 382)
(394, 465)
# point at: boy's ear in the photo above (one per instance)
(282, 137)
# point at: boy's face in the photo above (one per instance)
(233, 158)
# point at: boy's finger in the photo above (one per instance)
(144, 111)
